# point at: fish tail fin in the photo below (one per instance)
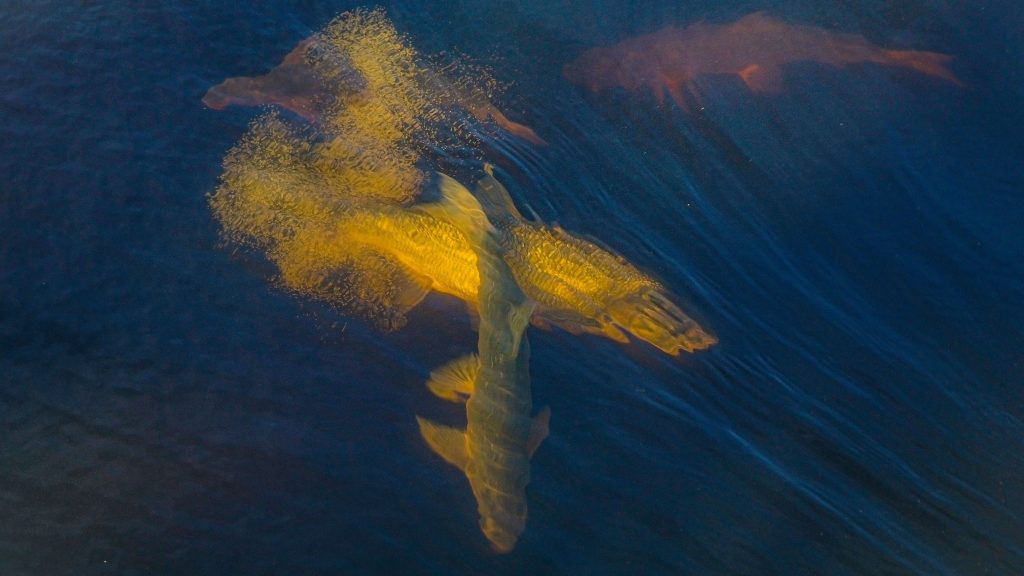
(525, 132)
(930, 63)
(484, 111)
(521, 130)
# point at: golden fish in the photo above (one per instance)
(578, 285)
(330, 205)
(582, 287)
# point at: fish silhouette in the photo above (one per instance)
(755, 48)
(315, 74)
(500, 437)
(292, 85)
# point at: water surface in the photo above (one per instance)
(853, 241)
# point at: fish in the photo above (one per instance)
(480, 108)
(500, 437)
(578, 285)
(754, 48)
(339, 218)
(584, 288)
(317, 74)
(292, 85)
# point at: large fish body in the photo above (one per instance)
(582, 287)
(578, 285)
(755, 48)
(500, 436)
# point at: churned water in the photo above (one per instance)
(852, 237)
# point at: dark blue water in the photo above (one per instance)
(855, 243)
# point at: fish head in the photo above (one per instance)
(650, 316)
(240, 91)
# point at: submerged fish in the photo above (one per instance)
(578, 285)
(755, 48)
(316, 74)
(500, 437)
(292, 84)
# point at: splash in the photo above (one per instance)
(366, 147)
(302, 192)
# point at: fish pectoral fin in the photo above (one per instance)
(610, 331)
(539, 430)
(494, 197)
(541, 322)
(567, 320)
(761, 78)
(456, 380)
(410, 288)
(449, 443)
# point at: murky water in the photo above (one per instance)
(852, 238)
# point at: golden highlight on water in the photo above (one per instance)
(331, 197)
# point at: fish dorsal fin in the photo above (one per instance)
(455, 380)
(449, 443)
(757, 16)
(539, 429)
(494, 198)
(458, 206)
